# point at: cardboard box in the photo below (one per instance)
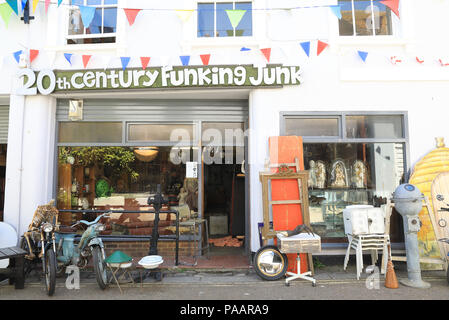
(300, 243)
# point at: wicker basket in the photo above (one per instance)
(300, 243)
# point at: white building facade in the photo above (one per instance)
(372, 90)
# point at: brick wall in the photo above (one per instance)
(141, 248)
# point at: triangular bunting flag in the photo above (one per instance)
(59, 2)
(363, 55)
(87, 15)
(86, 58)
(267, 53)
(320, 47)
(184, 15)
(205, 59)
(68, 57)
(306, 47)
(17, 55)
(47, 3)
(393, 5)
(131, 15)
(185, 60)
(5, 13)
(235, 16)
(35, 2)
(24, 2)
(145, 61)
(33, 55)
(13, 5)
(245, 49)
(125, 61)
(336, 10)
(51, 56)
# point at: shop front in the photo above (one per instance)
(121, 150)
(113, 137)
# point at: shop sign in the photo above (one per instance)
(48, 81)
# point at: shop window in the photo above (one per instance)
(171, 133)
(364, 18)
(122, 178)
(90, 132)
(374, 127)
(349, 168)
(103, 27)
(313, 127)
(213, 20)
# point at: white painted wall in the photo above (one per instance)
(337, 80)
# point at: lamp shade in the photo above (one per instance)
(118, 257)
(146, 154)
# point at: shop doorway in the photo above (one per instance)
(224, 206)
(3, 148)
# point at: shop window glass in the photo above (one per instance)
(122, 178)
(381, 127)
(231, 133)
(102, 28)
(343, 174)
(90, 132)
(314, 127)
(161, 132)
(213, 21)
(364, 18)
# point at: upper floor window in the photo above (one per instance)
(364, 18)
(102, 28)
(215, 21)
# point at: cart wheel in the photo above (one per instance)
(287, 284)
(314, 284)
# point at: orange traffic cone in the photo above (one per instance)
(390, 277)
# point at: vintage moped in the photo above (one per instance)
(89, 245)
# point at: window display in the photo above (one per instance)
(122, 178)
(359, 173)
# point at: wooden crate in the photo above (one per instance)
(300, 243)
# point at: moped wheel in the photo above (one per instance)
(270, 264)
(99, 267)
(27, 264)
(50, 271)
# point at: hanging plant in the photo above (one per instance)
(116, 159)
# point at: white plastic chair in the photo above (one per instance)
(368, 242)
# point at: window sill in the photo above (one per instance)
(221, 42)
(86, 47)
(371, 41)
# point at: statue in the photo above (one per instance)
(320, 175)
(312, 174)
(359, 174)
(339, 177)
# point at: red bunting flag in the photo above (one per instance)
(47, 3)
(33, 55)
(145, 61)
(267, 53)
(419, 60)
(86, 58)
(131, 14)
(395, 60)
(205, 58)
(320, 47)
(393, 5)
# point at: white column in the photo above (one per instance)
(30, 168)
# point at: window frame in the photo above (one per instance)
(215, 19)
(343, 138)
(354, 33)
(91, 35)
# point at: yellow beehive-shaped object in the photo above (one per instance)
(424, 172)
